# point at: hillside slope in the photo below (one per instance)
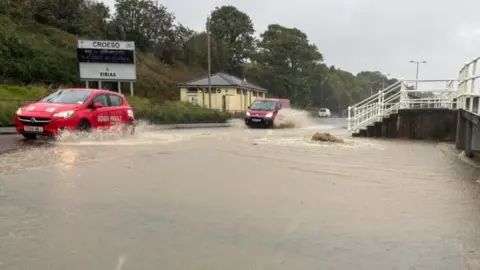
(44, 55)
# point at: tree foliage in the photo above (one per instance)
(37, 43)
(234, 29)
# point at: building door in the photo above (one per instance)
(224, 103)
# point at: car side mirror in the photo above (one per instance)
(96, 106)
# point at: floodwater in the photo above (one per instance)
(236, 198)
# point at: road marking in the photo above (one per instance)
(121, 261)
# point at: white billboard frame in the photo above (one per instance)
(111, 72)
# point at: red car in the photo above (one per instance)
(75, 109)
(263, 112)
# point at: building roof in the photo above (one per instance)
(222, 79)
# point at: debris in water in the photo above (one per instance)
(326, 137)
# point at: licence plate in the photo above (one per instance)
(256, 120)
(33, 129)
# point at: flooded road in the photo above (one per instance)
(235, 198)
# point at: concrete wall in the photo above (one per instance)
(434, 124)
(468, 133)
(236, 99)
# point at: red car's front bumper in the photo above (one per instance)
(44, 126)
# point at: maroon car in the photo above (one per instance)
(262, 112)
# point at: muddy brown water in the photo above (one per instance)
(236, 198)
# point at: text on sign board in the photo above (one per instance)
(106, 44)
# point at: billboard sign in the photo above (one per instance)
(103, 60)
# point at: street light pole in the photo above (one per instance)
(418, 66)
(209, 66)
(321, 89)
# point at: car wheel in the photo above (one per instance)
(84, 126)
(30, 136)
(128, 129)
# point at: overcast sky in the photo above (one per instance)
(358, 35)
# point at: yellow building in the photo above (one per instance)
(228, 93)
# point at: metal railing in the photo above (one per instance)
(400, 96)
(468, 96)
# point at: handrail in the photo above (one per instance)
(386, 90)
(432, 80)
(395, 97)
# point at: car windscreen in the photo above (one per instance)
(323, 110)
(67, 96)
(263, 105)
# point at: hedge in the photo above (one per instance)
(169, 112)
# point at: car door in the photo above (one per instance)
(118, 114)
(100, 118)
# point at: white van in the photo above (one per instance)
(324, 112)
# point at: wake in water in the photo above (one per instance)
(291, 118)
(114, 133)
(142, 136)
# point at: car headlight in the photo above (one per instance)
(64, 114)
(19, 111)
(247, 114)
(269, 115)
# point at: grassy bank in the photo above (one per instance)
(169, 112)
(34, 53)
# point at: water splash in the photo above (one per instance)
(291, 118)
(144, 134)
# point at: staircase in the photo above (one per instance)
(367, 117)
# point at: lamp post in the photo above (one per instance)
(418, 65)
(209, 66)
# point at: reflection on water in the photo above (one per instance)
(239, 199)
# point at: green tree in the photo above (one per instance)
(286, 58)
(173, 48)
(143, 21)
(64, 14)
(235, 29)
(17, 9)
(196, 52)
(283, 60)
(95, 19)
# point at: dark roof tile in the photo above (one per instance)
(222, 79)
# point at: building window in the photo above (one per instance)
(192, 90)
(239, 92)
(193, 99)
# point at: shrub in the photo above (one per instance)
(170, 112)
(175, 112)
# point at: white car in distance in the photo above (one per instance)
(324, 112)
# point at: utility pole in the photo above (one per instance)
(209, 66)
(324, 79)
(418, 65)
